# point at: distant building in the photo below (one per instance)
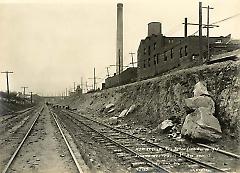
(78, 90)
(127, 76)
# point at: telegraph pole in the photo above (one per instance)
(107, 71)
(200, 30)
(94, 79)
(24, 89)
(86, 87)
(82, 83)
(66, 92)
(131, 53)
(73, 86)
(208, 27)
(31, 96)
(7, 72)
(201, 25)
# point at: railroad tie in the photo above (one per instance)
(138, 164)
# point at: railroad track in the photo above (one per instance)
(68, 145)
(14, 155)
(17, 114)
(142, 154)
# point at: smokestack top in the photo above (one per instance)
(119, 5)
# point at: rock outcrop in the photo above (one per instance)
(201, 124)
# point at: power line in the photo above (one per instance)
(226, 18)
(238, 14)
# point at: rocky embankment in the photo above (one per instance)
(154, 100)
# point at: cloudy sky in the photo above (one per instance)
(51, 44)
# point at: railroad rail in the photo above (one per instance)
(152, 156)
(14, 114)
(13, 157)
(67, 143)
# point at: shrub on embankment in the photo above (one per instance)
(12, 102)
(162, 97)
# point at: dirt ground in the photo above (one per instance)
(44, 150)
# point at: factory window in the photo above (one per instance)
(181, 52)
(145, 50)
(144, 64)
(154, 60)
(154, 45)
(149, 50)
(186, 51)
(171, 53)
(157, 58)
(165, 56)
(149, 62)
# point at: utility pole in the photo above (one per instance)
(86, 87)
(94, 79)
(201, 25)
(208, 27)
(185, 28)
(7, 72)
(66, 91)
(131, 53)
(107, 71)
(31, 97)
(82, 83)
(24, 89)
(200, 30)
(73, 86)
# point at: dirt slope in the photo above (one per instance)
(162, 97)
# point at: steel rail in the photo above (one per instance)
(159, 168)
(220, 151)
(67, 143)
(14, 114)
(21, 144)
(156, 145)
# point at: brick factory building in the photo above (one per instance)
(158, 54)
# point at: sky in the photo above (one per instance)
(50, 44)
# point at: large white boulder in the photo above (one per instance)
(200, 89)
(201, 124)
(200, 101)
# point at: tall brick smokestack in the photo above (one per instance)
(119, 50)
